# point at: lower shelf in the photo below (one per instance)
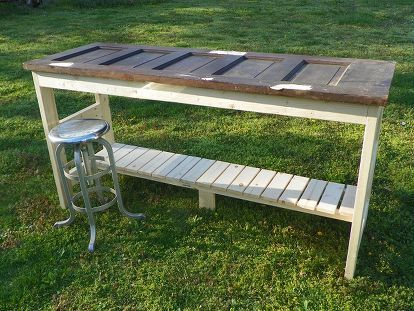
(293, 192)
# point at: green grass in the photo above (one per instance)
(243, 255)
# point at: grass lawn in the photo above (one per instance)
(242, 255)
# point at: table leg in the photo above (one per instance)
(206, 199)
(50, 119)
(365, 177)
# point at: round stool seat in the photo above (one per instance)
(78, 131)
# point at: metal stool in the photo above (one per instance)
(87, 169)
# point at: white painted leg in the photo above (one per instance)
(50, 119)
(206, 200)
(103, 101)
(365, 177)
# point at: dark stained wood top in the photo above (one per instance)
(322, 78)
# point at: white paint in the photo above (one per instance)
(50, 118)
(279, 87)
(92, 111)
(363, 192)
(207, 79)
(186, 75)
(228, 53)
(173, 172)
(61, 64)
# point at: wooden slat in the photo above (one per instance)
(190, 63)
(130, 157)
(142, 160)
(165, 60)
(242, 181)
(120, 153)
(312, 194)
(338, 76)
(280, 70)
(294, 190)
(199, 169)
(138, 59)
(152, 165)
(330, 198)
(259, 183)
(115, 57)
(181, 169)
(219, 65)
(249, 68)
(168, 165)
(115, 148)
(276, 187)
(369, 74)
(212, 173)
(62, 56)
(348, 201)
(227, 177)
(92, 55)
(316, 74)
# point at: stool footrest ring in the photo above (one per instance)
(99, 207)
(95, 176)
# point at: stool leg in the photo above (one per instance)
(86, 163)
(89, 154)
(66, 191)
(85, 194)
(116, 183)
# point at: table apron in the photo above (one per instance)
(269, 104)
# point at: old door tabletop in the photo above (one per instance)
(322, 78)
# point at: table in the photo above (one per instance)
(333, 89)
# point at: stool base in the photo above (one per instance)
(87, 175)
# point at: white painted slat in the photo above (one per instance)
(198, 170)
(212, 173)
(276, 187)
(130, 157)
(259, 183)
(142, 160)
(169, 165)
(121, 152)
(243, 180)
(227, 177)
(330, 198)
(348, 201)
(312, 194)
(115, 148)
(182, 168)
(152, 165)
(294, 190)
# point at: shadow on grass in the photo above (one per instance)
(238, 227)
(386, 250)
(50, 260)
(248, 229)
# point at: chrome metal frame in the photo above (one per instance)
(88, 176)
